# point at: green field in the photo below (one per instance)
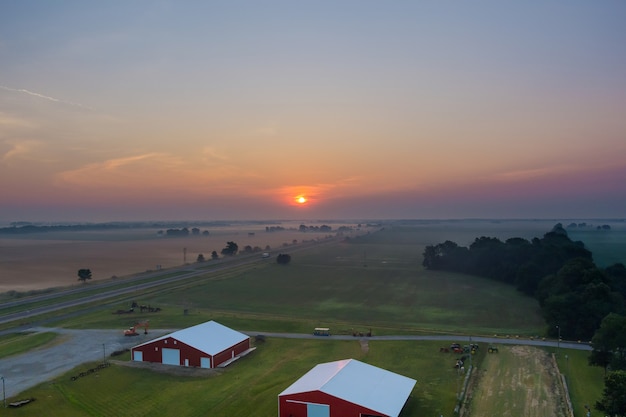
(248, 387)
(371, 282)
(16, 343)
(375, 281)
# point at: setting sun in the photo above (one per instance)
(301, 200)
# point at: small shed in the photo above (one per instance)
(346, 388)
(206, 345)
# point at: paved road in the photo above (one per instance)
(80, 346)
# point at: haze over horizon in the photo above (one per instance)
(127, 111)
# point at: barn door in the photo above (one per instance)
(170, 356)
(317, 410)
(205, 362)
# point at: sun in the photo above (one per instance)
(301, 199)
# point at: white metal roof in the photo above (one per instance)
(377, 389)
(210, 337)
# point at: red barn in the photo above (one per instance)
(206, 345)
(346, 388)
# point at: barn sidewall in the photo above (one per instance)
(152, 352)
(231, 352)
(338, 407)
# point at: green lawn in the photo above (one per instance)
(248, 387)
(585, 382)
(362, 284)
(15, 343)
(374, 281)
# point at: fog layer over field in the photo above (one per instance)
(49, 259)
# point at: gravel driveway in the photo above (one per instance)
(76, 347)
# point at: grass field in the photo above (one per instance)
(374, 281)
(585, 383)
(364, 284)
(16, 343)
(248, 387)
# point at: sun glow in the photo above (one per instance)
(301, 199)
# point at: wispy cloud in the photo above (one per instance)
(525, 174)
(117, 172)
(19, 149)
(209, 155)
(154, 171)
(44, 97)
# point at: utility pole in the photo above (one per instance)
(4, 394)
(104, 355)
(558, 341)
(184, 256)
(471, 351)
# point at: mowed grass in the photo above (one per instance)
(375, 281)
(585, 383)
(248, 387)
(16, 343)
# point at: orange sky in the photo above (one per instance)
(118, 111)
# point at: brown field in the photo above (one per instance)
(46, 260)
(519, 381)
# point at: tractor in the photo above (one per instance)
(492, 349)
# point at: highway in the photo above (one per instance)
(111, 289)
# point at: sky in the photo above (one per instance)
(254, 110)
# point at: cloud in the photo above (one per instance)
(44, 97)
(125, 172)
(157, 172)
(19, 149)
(320, 192)
(525, 174)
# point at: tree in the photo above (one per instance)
(200, 258)
(214, 255)
(577, 298)
(609, 343)
(283, 258)
(613, 400)
(84, 275)
(617, 276)
(230, 249)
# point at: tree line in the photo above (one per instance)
(573, 293)
(578, 300)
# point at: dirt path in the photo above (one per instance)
(519, 381)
